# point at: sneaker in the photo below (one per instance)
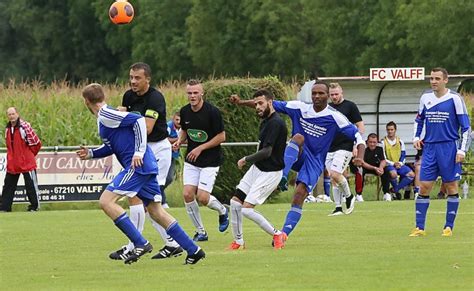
(194, 258)
(120, 254)
(447, 231)
(224, 220)
(283, 185)
(327, 199)
(359, 198)
(168, 252)
(338, 211)
(417, 232)
(235, 246)
(32, 209)
(350, 201)
(279, 240)
(387, 197)
(200, 236)
(137, 252)
(310, 199)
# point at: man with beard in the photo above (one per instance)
(263, 176)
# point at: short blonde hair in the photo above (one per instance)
(93, 93)
(334, 85)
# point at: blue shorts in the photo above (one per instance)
(439, 159)
(309, 169)
(403, 171)
(129, 183)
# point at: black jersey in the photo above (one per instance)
(201, 127)
(374, 157)
(151, 104)
(273, 132)
(350, 110)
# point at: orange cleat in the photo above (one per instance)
(279, 240)
(235, 246)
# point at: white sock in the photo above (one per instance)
(336, 194)
(236, 220)
(261, 221)
(214, 204)
(192, 208)
(168, 240)
(137, 216)
(344, 187)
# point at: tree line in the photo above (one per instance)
(74, 39)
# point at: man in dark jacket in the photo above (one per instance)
(22, 146)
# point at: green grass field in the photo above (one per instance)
(369, 249)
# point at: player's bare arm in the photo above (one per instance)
(235, 99)
(215, 141)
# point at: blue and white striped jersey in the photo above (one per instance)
(124, 134)
(442, 118)
(318, 128)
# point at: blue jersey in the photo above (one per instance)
(173, 133)
(124, 134)
(318, 128)
(441, 118)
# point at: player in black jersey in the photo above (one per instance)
(203, 128)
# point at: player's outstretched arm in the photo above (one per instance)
(235, 99)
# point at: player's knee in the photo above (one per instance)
(298, 138)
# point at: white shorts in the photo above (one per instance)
(258, 185)
(203, 178)
(162, 152)
(338, 161)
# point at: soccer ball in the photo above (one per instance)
(121, 12)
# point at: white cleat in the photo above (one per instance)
(359, 198)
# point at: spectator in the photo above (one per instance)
(174, 127)
(394, 152)
(22, 146)
(374, 162)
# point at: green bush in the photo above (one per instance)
(241, 125)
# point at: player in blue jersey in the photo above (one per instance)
(442, 113)
(124, 134)
(314, 128)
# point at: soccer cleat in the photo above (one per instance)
(417, 232)
(224, 220)
(337, 212)
(200, 236)
(120, 254)
(327, 199)
(194, 258)
(441, 195)
(283, 185)
(137, 252)
(350, 201)
(235, 246)
(387, 197)
(447, 231)
(279, 240)
(168, 252)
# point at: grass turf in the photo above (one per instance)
(369, 249)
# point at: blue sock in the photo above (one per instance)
(421, 205)
(292, 219)
(451, 210)
(394, 183)
(178, 234)
(291, 156)
(405, 181)
(327, 186)
(126, 226)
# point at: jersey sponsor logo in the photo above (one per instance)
(197, 135)
(151, 113)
